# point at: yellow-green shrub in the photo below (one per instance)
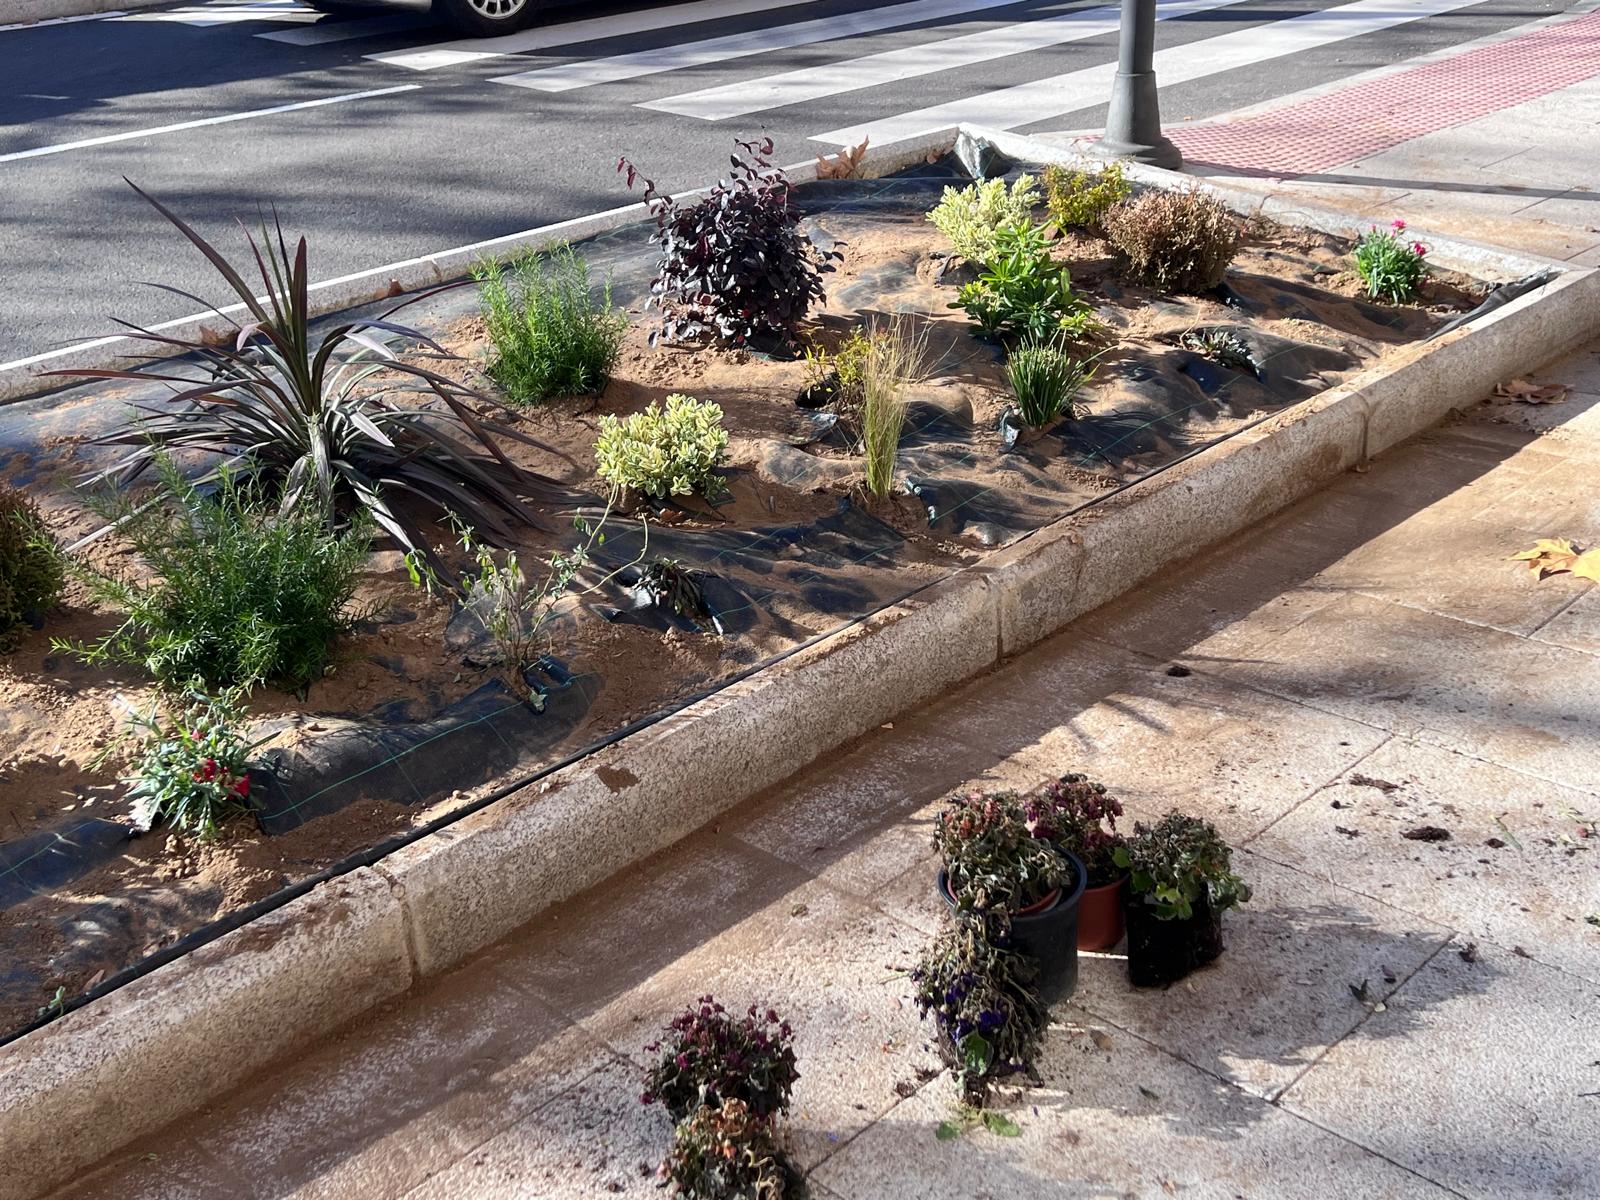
(661, 452)
(1078, 199)
(970, 216)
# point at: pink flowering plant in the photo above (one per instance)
(709, 1056)
(1079, 816)
(992, 857)
(1390, 265)
(191, 772)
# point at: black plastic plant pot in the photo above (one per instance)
(1047, 934)
(1162, 952)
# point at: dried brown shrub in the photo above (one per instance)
(1175, 241)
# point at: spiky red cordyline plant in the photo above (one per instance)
(295, 413)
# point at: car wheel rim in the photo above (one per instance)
(497, 10)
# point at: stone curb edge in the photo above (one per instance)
(31, 12)
(123, 1066)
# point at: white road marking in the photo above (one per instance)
(655, 16)
(741, 45)
(227, 118)
(104, 16)
(891, 66)
(1056, 95)
(205, 15)
(343, 31)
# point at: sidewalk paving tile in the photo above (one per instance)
(1516, 868)
(1442, 681)
(594, 1140)
(1491, 1092)
(1116, 1118)
(1578, 626)
(1281, 993)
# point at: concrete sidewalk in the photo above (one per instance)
(1495, 141)
(1365, 664)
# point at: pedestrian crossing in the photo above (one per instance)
(818, 53)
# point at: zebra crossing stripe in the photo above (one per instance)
(891, 66)
(324, 32)
(1058, 95)
(741, 45)
(592, 29)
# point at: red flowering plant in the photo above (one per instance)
(191, 772)
(992, 859)
(709, 1056)
(1391, 267)
(1079, 816)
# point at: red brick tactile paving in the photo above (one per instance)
(1353, 122)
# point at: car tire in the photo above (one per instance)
(486, 18)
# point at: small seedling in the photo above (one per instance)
(968, 1117)
(56, 1006)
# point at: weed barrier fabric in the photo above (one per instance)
(771, 590)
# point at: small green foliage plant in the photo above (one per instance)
(190, 770)
(1078, 815)
(1045, 379)
(972, 217)
(1024, 292)
(992, 859)
(980, 992)
(1176, 862)
(1078, 199)
(1391, 267)
(664, 451)
(551, 335)
(31, 565)
(671, 585)
(236, 592)
(1222, 346)
(727, 1152)
(516, 610)
(709, 1056)
(840, 375)
(893, 362)
(1174, 241)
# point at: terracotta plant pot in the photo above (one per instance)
(1162, 952)
(1046, 932)
(1100, 920)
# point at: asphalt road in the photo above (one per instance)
(222, 108)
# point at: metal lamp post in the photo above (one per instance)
(1133, 126)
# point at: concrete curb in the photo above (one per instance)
(121, 1067)
(31, 12)
(20, 379)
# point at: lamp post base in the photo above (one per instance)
(1133, 124)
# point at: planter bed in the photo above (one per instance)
(407, 729)
(426, 793)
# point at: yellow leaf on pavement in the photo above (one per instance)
(1587, 565)
(1555, 556)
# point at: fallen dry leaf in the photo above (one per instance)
(1526, 391)
(1556, 556)
(844, 164)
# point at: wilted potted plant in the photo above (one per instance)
(979, 989)
(1180, 881)
(1026, 887)
(1080, 817)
